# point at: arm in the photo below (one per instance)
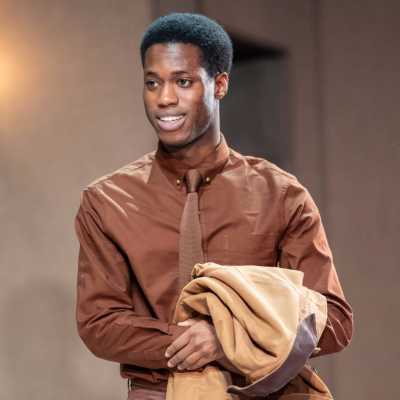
(106, 319)
(304, 246)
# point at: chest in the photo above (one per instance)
(240, 225)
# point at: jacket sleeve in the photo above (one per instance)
(304, 246)
(106, 318)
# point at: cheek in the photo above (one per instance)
(208, 100)
(203, 108)
(146, 100)
(209, 105)
(146, 107)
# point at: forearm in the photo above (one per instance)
(126, 338)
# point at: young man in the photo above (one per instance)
(250, 213)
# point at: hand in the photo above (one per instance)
(196, 347)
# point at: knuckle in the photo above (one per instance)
(196, 346)
(203, 352)
(197, 365)
(174, 360)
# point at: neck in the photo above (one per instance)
(197, 150)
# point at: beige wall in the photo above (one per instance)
(71, 110)
(361, 98)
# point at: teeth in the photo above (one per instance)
(171, 118)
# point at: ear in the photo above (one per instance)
(221, 85)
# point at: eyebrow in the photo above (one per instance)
(175, 73)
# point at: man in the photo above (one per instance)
(129, 222)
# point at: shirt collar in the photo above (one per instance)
(209, 166)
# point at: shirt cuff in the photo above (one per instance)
(175, 331)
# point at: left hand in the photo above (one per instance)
(196, 347)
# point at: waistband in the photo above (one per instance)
(160, 386)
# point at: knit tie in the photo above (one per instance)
(190, 249)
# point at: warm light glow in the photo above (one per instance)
(12, 89)
(15, 88)
(7, 75)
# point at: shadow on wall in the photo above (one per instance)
(42, 311)
(254, 114)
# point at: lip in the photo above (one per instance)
(170, 125)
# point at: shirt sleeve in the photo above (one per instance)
(106, 318)
(304, 246)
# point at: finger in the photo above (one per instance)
(189, 361)
(201, 362)
(180, 356)
(176, 345)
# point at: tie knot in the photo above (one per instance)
(193, 179)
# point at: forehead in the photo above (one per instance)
(172, 56)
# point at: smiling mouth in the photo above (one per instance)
(170, 122)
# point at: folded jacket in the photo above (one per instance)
(268, 325)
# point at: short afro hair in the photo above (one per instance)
(199, 30)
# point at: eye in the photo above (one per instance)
(184, 83)
(150, 84)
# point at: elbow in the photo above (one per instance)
(93, 340)
(349, 330)
(337, 335)
(343, 333)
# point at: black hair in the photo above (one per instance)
(199, 30)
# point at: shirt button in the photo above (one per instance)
(208, 179)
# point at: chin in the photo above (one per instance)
(174, 138)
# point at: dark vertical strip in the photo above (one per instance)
(320, 87)
(199, 7)
(320, 105)
(286, 108)
(155, 9)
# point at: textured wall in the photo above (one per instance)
(70, 111)
(361, 63)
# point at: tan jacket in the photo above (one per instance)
(268, 325)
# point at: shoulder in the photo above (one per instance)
(282, 187)
(122, 179)
(135, 170)
(262, 169)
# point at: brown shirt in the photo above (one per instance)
(251, 212)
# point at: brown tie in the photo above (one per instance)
(190, 249)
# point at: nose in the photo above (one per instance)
(167, 96)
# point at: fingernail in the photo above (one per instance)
(170, 364)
